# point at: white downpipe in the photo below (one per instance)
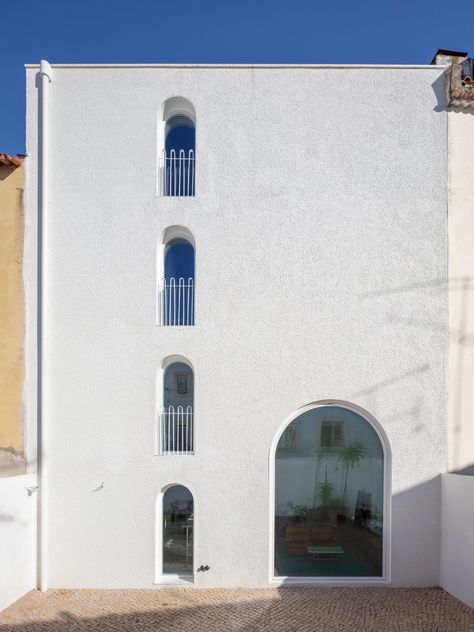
(46, 76)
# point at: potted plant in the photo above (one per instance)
(299, 513)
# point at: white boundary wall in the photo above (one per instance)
(17, 538)
(461, 290)
(457, 536)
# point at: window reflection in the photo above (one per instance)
(329, 496)
(176, 418)
(178, 519)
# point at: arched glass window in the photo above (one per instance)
(177, 295)
(179, 153)
(178, 520)
(176, 417)
(329, 496)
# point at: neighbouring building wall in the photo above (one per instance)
(321, 271)
(17, 488)
(12, 459)
(457, 541)
(461, 290)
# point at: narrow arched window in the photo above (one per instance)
(178, 528)
(177, 285)
(329, 496)
(177, 164)
(176, 417)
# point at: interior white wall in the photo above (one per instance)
(320, 221)
(457, 543)
(17, 538)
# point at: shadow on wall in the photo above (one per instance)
(439, 88)
(465, 471)
(6, 171)
(461, 341)
(468, 111)
(410, 415)
(243, 610)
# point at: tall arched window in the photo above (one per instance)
(177, 532)
(329, 496)
(177, 285)
(177, 166)
(176, 418)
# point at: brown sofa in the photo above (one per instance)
(299, 537)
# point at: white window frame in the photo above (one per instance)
(169, 579)
(384, 580)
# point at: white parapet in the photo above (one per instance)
(457, 536)
(17, 537)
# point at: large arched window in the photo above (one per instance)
(329, 496)
(177, 533)
(177, 285)
(177, 167)
(176, 416)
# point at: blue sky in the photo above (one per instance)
(222, 31)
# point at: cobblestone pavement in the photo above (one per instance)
(272, 609)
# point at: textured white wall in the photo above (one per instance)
(320, 227)
(457, 543)
(17, 538)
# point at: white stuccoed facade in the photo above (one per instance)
(321, 263)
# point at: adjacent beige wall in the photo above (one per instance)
(11, 320)
(461, 290)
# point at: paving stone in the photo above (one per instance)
(239, 610)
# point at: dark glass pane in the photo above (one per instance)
(179, 260)
(178, 531)
(329, 505)
(180, 135)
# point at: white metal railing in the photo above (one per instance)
(175, 431)
(177, 173)
(176, 302)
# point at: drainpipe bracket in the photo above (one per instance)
(46, 70)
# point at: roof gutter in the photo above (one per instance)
(46, 77)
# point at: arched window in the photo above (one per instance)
(177, 285)
(177, 167)
(176, 418)
(329, 496)
(177, 532)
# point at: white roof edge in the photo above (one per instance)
(246, 66)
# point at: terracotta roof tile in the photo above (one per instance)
(6, 159)
(460, 86)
